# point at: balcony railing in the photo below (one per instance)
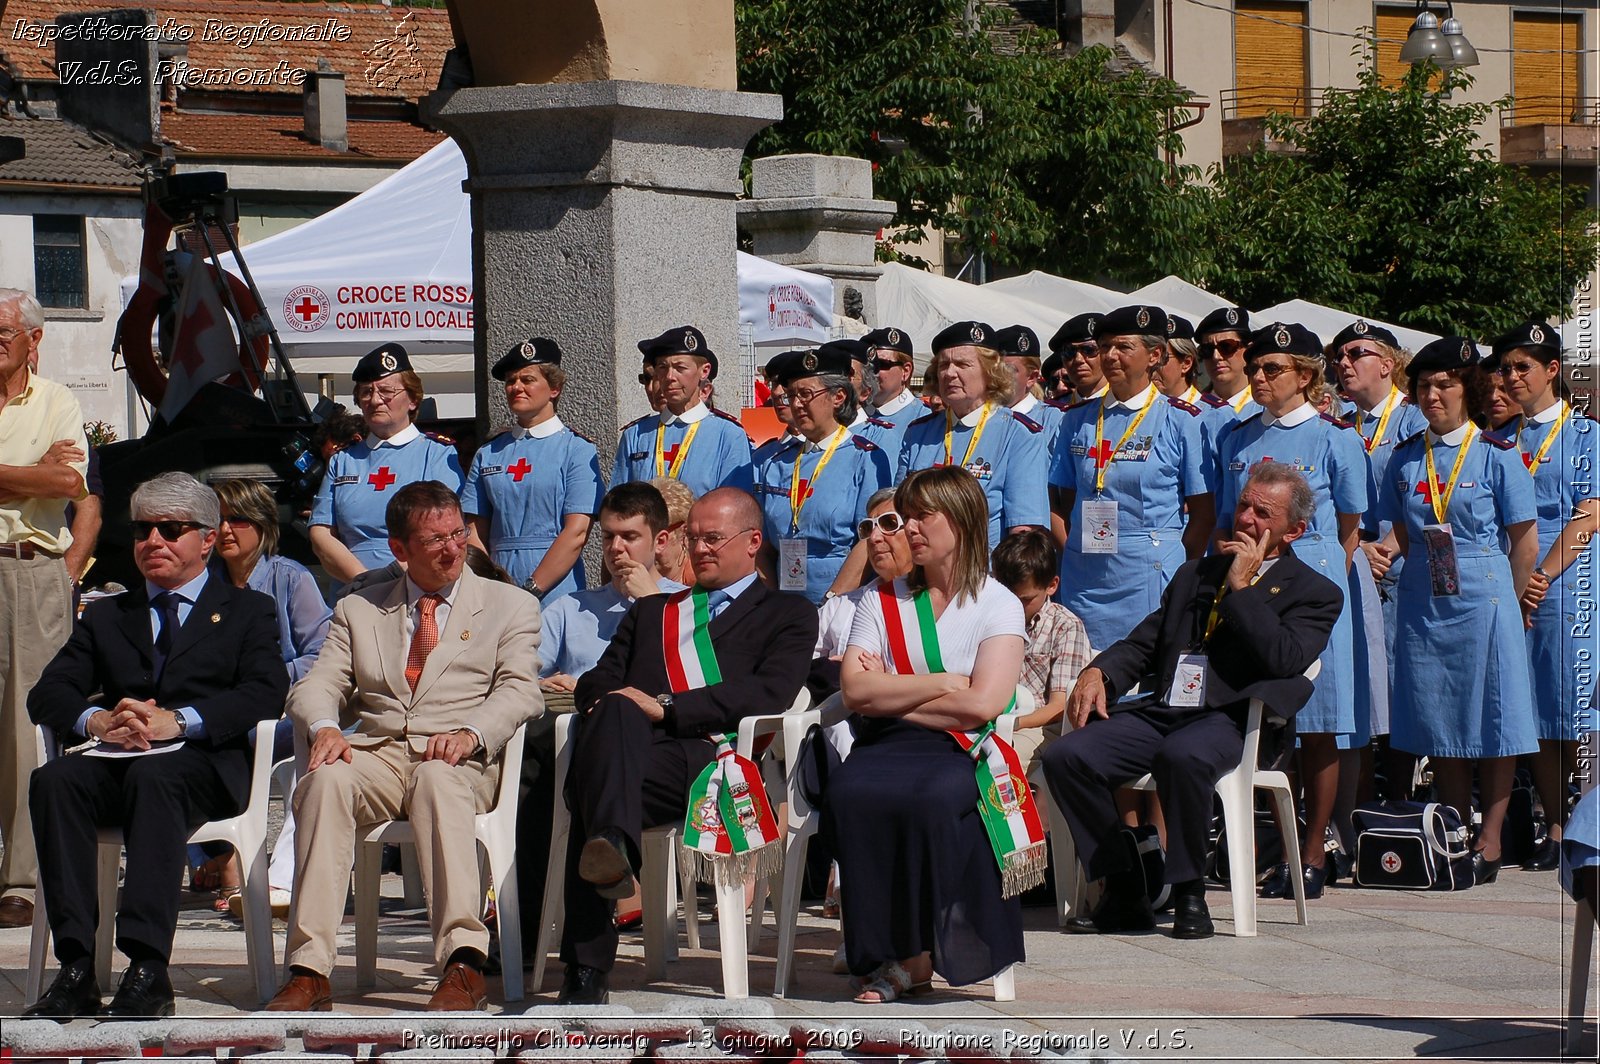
(1259, 101)
(1551, 111)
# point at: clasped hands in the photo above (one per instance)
(133, 724)
(453, 747)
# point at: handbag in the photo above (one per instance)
(1412, 846)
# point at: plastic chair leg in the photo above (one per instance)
(735, 953)
(1239, 820)
(369, 860)
(553, 910)
(110, 864)
(788, 908)
(258, 946)
(1005, 984)
(502, 854)
(1070, 886)
(655, 879)
(411, 877)
(1578, 982)
(1283, 802)
(38, 946)
(684, 889)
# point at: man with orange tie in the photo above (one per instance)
(436, 669)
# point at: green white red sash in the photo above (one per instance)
(691, 661)
(1010, 815)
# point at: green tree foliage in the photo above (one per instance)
(1394, 209)
(1039, 162)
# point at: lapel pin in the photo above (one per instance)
(466, 635)
(1274, 590)
(216, 618)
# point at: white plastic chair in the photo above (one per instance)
(246, 833)
(1578, 981)
(496, 832)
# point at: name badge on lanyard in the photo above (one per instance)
(791, 565)
(1099, 526)
(1188, 682)
(1440, 543)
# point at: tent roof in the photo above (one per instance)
(1067, 297)
(1178, 296)
(922, 304)
(1327, 322)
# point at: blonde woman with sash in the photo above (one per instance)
(931, 876)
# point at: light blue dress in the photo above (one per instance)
(1580, 841)
(1461, 686)
(1048, 416)
(362, 478)
(1563, 644)
(1010, 461)
(718, 457)
(902, 410)
(1217, 416)
(526, 484)
(836, 503)
(1329, 455)
(1162, 464)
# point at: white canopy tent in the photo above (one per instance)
(1067, 297)
(923, 304)
(1178, 296)
(1327, 322)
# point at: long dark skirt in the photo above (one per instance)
(917, 873)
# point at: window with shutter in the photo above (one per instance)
(1269, 57)
(1392, 25)
(1546, 78)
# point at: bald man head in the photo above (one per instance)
(724, 537)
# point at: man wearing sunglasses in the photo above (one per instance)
(175, 673)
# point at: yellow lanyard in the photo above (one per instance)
(677, 459)
(977, 434)
(1215, 618)
(1102, 457)
(797, 501)
(1441, 501)
(1383, 422)
(1532, 462)
(1244, 397)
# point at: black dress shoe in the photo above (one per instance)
(1118, 913)
(1191, 918)
(74, 993)
(144, 993)
(1276, 885)
(584, 985)
(1315, 879)
(603, 863)
(1341, 866)
(1546, 856)
(1483, 869)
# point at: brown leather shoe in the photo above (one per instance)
(304, 992)
(461, 990)
(16, 912)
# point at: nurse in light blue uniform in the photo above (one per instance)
(977, 431)
(1180, 367)
(1560, 451)
(686, 440)
(1019, 350)
(810, 512)
(779, 401)
(533, 490)
(1220, 342)
(1462, 691)
(1074, 344)
(1126, 464)
(1286, 375)
(890, 366)
(347, 519)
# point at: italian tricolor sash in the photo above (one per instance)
(1010, 815)
(691, 661)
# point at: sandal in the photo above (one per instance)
(224, 900)
(890, 983)
(208, 876)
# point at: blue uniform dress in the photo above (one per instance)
(1148, 479)
(362, 478)
(900, 411)
(526, 482)
(1009, 460)
(763, 454)
(1217, 415)
(1461, 686)
(718, 455)
(1049, 417)
(1563, 647)
(1329, 455)
(834, 502)
(881, 431)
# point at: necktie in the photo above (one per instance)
(166, 605)
(423, 640)
(716, 602)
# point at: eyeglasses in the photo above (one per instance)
(796, 395)
(714, 541)
(1225, 348)
(887, 522)
(169, 531)
(382, 395)
(881, 365)
(431, 543)
(645, 378)
(235, 519)
(8, 335)
(1270, 370)
(1356, 354)
(778, 399)
(1516, 369)
(1082, 351)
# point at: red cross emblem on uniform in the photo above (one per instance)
(805, 489)
(1102, 454)
(1527, 459)
(520, 470)
(670, 454)
(1425, 490)
(381, 479)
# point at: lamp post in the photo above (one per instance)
(1446, 45)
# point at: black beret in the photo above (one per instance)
(830, 358)
(1447, 352)
(682, 340)
(853, 349)
(1279, 338)
(1017, 340)
(1532, 334)
(1224, 319)
(1137, 320)
(1179, 328)
(380, 362)
(1363, 330)
(964, 333)
(534, 351)
(896, 339)
(1078, 329)
(774, 368)
(1052, 365)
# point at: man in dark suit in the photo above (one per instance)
(1242, 624)
(176, 673)
(642, 740)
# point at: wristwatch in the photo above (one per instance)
(1539, 569)
(183, 724)
(665, 701)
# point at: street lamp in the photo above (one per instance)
(1446, 45)
(1462, 54)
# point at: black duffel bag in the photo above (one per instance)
(1412, 846)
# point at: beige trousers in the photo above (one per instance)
(35, 620)
(389, 781)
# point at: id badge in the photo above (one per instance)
(1442, 570)
(791, 565)
(1189, 681)
(1099, 527)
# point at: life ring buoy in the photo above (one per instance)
(135, 327)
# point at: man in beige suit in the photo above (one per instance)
(436, 669)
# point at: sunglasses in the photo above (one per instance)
(1225, 348)
(235, 519)
(1356, 354)
(645, 378)
(170, 531)
(880, 365)
(1270, 370)
(887, 522)
(1081, 351)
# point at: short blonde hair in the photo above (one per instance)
(678, 496)
(955, 493)
(253, 501)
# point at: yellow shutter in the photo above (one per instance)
(1393, 24)
(1269, 58)
(1545, 69)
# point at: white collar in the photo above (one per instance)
(448, 592)
(543, 430)
(861, 418)
(1549, 413)
(1452, 438)
(698, 412)
(973, 416)
(898, 403)
(399, 439)
(1379, 410)
(1138, 402)
(189, 592)
(1026, 405)
(1298, 416)
(1103, 390)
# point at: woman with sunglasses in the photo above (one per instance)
(934, 658)
(1558, 448)
(1285, 365)
(532, 491)
(1462, 689)
(347, 526)
(814, 490)
(1074, 343)
(1220, 342)
(1126, 467)
(891, 366)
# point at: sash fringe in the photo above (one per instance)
(1023, 871)
(725, 869)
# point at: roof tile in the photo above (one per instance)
(62, 153)
(279, 136)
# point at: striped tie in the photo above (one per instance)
(424, 640)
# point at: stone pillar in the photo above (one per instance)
(602, 213)
(816, 213)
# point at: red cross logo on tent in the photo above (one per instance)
(381, 479)
(305, 309)
(520, 470)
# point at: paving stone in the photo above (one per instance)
(376, 1031)
(580, 1052)
(697, 1053)
(479, 1053)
